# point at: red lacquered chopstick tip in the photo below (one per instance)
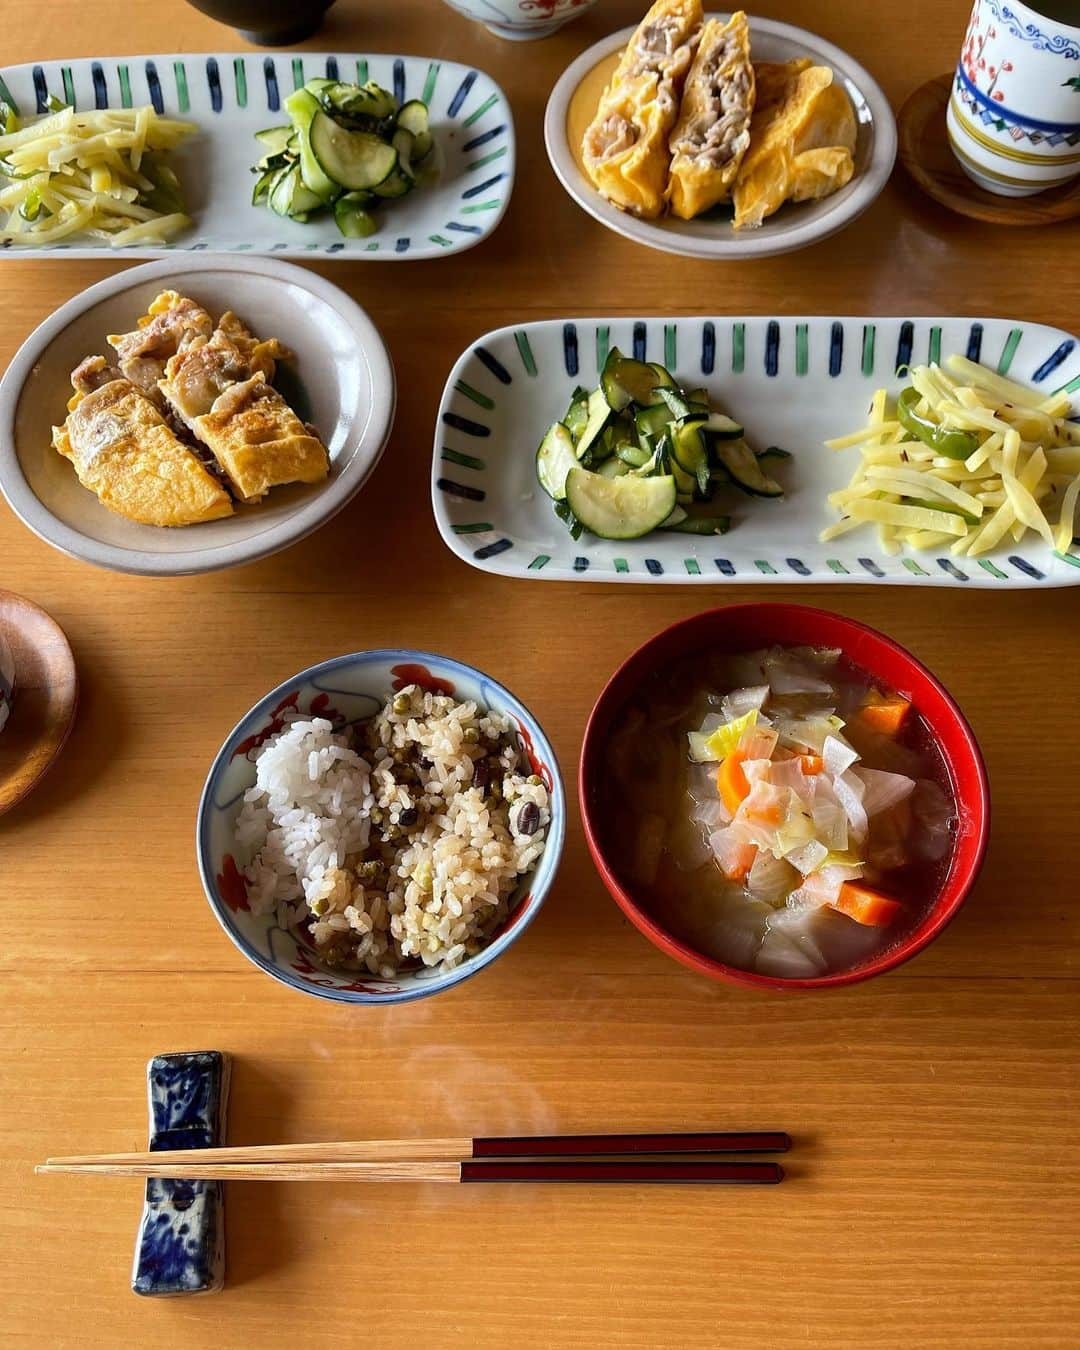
(594, 1145)
(649, 1171)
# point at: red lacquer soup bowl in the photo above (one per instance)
(746, 628)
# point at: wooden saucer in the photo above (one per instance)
(927, 156)
(46, 692)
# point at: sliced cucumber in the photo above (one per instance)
(633, 456)
(701, 525)
(653, 421)
(350, 159)
(597, 416)
(352, 217)
(276, 139)
(578, 412)
(724, 428)
(664, 377)
(698, 396)
(688, 448)
(303, 107)
(619, 508)
(413, 117)
(261, 189)
(745, 471)
(396, 184)
(619, 431)
(404, 142)
(363, 101)
(625, 381)
(613, 468)
(288, 195)
(554, 460)
(773, 452)
(424, 144)
(569, 519)
(678, 515)
(678, 407)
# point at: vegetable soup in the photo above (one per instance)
(788, 814)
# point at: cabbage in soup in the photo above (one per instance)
(788, 815)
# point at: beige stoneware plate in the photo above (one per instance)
(341, 380)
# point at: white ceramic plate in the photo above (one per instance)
(793, 382)
(231, 96)
(341, 380)
(793, 226)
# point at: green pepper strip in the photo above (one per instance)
(943, 440)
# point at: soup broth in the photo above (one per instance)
(778, 810)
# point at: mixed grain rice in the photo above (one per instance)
(397, 844)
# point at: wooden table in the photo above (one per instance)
(933, 1196)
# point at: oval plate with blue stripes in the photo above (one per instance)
(793, 382)
(231, 96)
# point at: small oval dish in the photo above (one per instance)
(573, 102)
(341, 381)
(230, 96)
(744, 628)
(348, 690)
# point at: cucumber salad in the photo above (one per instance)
(347, 148)
(640, 453)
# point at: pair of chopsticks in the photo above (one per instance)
(582, 1157)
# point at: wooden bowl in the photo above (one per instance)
(46, 692)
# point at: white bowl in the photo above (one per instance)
(794, 226)
(520, 20)
(341, 380)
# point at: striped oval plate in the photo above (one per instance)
(793, 382)
(232, 96)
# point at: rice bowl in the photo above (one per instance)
(381, 826)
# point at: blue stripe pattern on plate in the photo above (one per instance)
(461, 490)
(798, 566)
(101, 89)
(1022, 565)
(483, 187)
(463, 229)
(655, 566)
(708, 348)
(332, 68)
(466, 424)
(41, 90)
(640, 341)
(483, 139)
(725, 565)
(400, 245)
(273, 93)
(947, 565)
(871, 566)
(490, 550)
(772, 348)
(1054, 360)
(903, 347)
(462, 94)
(213, 79)
(581, 564)
(570, 348)
(154, 85)
(836, 349)
(493, 364)
(399, 80)
(974, 347)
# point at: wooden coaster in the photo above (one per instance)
(927, 156)
(46, 691)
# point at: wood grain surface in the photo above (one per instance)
(932, 1197)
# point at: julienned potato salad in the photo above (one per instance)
(963, 458)
(103, 173)
(639, 453)
(779, 810)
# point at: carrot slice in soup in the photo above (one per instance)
(811, 764)
(737, 863)
(866, 906)
(731, 781)
(886, 715)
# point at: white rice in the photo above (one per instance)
(404, 853)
